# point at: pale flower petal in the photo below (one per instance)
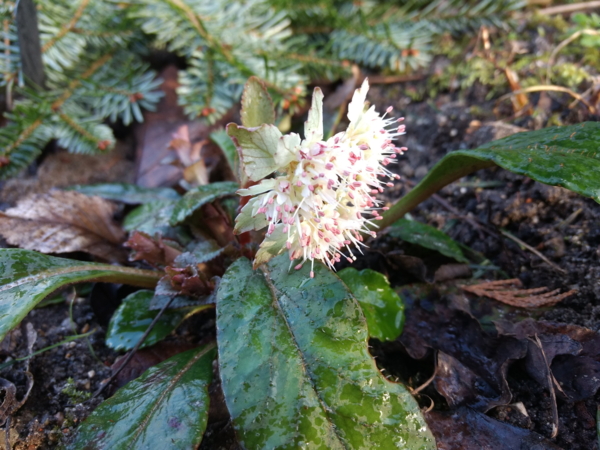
(357, 105)
(323, 201)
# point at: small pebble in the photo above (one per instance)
(91, 374)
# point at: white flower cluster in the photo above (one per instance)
(323, 195)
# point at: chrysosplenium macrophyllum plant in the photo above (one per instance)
(291, 339)
(323, 195)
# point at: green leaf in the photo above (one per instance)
(257, 106)
(27, 277)
(382, 307)
(133, 316)
(295, 367)
(126, 193)
(222, 139)
(257, 148)
(429, 237)
(165, 408)
(153, 218)
(200, 196)
(558, 156)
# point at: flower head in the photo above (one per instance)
(322, 198)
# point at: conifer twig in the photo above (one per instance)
(69, 27)
(58, 103)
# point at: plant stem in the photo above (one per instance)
(426, 188)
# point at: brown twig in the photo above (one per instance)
(391, 79)
(6, 25)
(550, 87)
(532, 250)
(550, 381)
(427, 383)
(565, 9)
(134, 349)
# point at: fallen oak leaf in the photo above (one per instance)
(63, 222)
(510, 293)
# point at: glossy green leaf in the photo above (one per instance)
(153, 218)
(132, 317)
(222, 139)
(559, 156)
(295, 368)
(165, 408)
(257, 106)
(27, 277)
(427, 236)
(200, 196)
(126, 193)
(382, 307)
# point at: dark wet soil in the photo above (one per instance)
(564, 227)
(561, 225)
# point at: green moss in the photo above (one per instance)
(75, 395)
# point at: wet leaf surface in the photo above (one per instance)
(295, 367)
(573, 354)
(427, 236)
(465, 429)
(559, 156)
(127, 193)
(133, 317)
(153, 218)
(222, 139)
(382, 307)
(473, 362)
(194, 199)
(142, 360)
(167, 407)
(27, 277)
(63, 222)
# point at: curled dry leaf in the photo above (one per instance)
(155, 251)
(62, 222)
(510, 292)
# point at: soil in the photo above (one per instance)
(559, 224)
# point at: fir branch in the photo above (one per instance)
(25, 134)
(77, 82)
(29, 130)
(67, 28)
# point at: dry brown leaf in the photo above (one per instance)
(510, 292)
(62, 222)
